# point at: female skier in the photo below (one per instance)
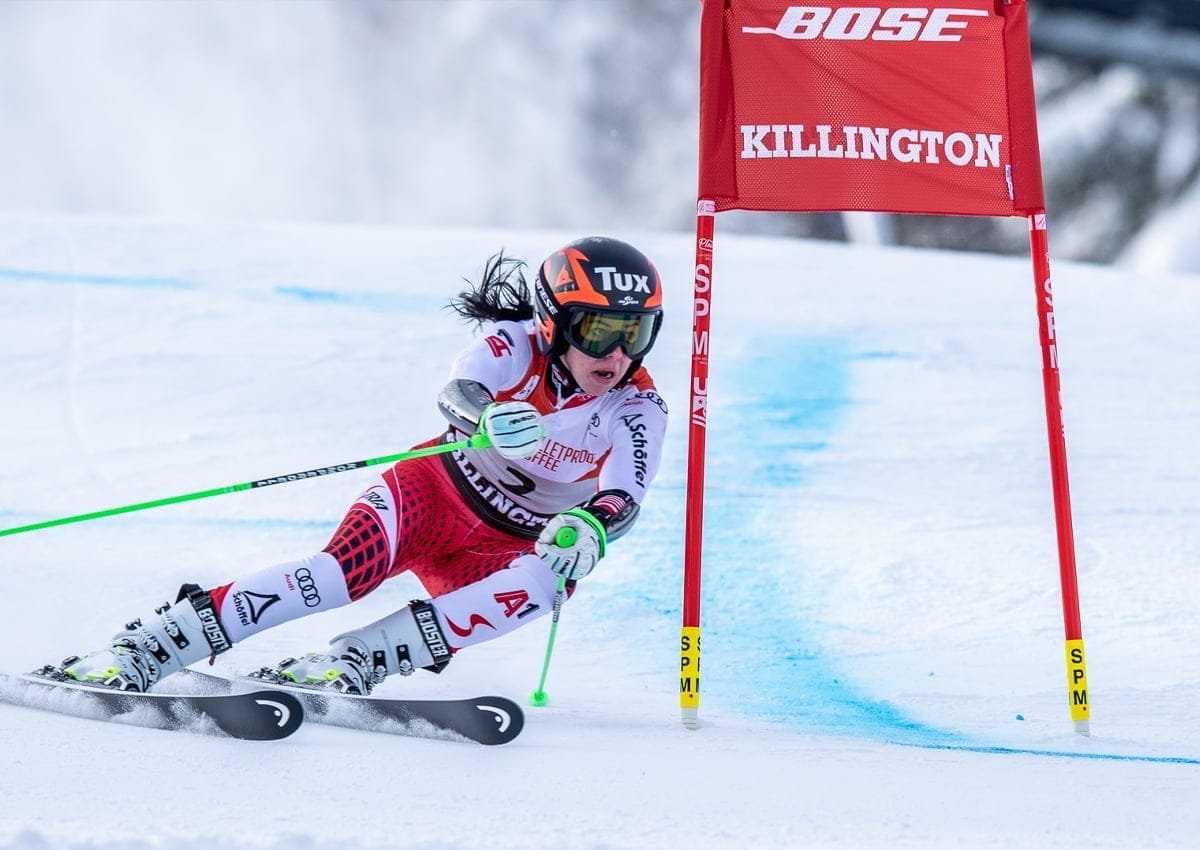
(574, 429)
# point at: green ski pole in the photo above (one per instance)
(479, 441)
(565, 537)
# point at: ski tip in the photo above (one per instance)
(276, 715)
(262, 715)
(505, 720)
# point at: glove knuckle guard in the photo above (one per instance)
(514, 428)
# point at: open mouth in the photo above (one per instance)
(604, 374)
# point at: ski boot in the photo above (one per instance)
(358, 661)
(151, 648)
(345, 668)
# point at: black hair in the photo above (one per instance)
(502, 294)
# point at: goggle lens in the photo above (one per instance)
(597, 334)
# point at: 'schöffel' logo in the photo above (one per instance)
(637, 438)
(250, 606)
(860, 23)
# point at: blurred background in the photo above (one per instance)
(576, 114)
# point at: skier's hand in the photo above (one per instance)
(513, 428)
(571, 543)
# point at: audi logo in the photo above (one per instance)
(308, 587)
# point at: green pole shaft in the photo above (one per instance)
(476, 442)
(565, 538)
(538, 697)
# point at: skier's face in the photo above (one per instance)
(596, 375)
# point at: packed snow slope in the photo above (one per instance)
(883, 641)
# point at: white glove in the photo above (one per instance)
(571, 543)
(513, 428)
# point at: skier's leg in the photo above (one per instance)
(203, 623)
(279, 594)
(425, 634)
(498, 604)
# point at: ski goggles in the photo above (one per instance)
(597, 334)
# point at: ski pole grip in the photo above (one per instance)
(566, 537)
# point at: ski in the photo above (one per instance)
(252, 715)
(488, 720)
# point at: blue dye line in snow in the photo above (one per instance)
(1017, 751)
(769, 413)
(135, 281)
(387, 302)
(329, 524)
(150, 518)
(761, 654)
(790, 395)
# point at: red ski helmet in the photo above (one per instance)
(598, 294)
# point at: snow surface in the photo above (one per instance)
(883, 660)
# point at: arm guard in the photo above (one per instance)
(615, 509)
(462, 402)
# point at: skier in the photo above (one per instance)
(574, 428)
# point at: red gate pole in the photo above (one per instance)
(1076, 660)
(689, 637)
